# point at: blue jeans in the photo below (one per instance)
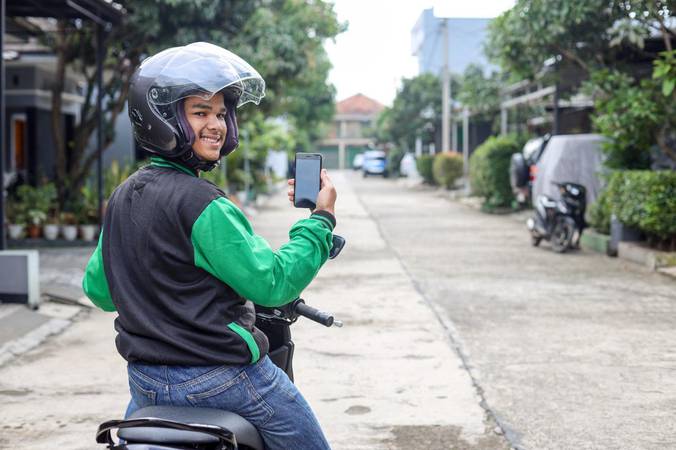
(261, 393)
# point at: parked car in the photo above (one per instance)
(357, 161)
(522, 168)
(571, 158)
(375, 163)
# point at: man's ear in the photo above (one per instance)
(232, 137)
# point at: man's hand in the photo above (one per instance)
(326, 199)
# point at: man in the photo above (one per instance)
(181, 264)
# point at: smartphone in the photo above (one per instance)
(307, 168)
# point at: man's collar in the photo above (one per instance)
(162, 162)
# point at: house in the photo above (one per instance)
(30, 73)
(350, 131)
(28, 118)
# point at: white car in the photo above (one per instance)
(375, 163)
(358, 161)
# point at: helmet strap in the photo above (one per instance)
(194, 162)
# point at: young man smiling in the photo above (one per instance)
(207, 120)
(181, 264)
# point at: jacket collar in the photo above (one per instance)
(159, 161)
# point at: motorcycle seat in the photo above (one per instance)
(245, 433)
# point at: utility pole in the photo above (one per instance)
(446, 94)
(465, 148)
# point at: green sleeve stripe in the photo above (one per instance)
(94, 283)
(226, 246)
(248, 338)
(323, 219)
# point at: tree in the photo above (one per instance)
(587, 33)
(603, 38)
(415, 112)
(629, 114)
(283, 39)
(522, 38)
(637, 115)
(480, 93)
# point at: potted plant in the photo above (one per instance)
(68, 221)
(51, 227)
(38, 202)
(35, 220)
(16, 218)
(88, 214)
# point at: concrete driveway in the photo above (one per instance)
(458, 335)
(389, 379)
(569, 351)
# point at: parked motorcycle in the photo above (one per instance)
(181, 428)
(560, 221)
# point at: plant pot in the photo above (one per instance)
(34, 231)
(69, 232)
(16, 231)
(620, 232)
(88, 232)
(50, 231)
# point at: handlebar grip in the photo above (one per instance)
(314, 314)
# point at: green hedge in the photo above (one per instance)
(424, 165)
(600, 212)
(447, 168)
(646, 200)
(489, 170)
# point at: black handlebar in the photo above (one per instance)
(314, 314)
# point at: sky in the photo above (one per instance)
(374, 54)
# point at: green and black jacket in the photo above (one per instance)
(181, 265)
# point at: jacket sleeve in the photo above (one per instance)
(94, 283)
(226, 246)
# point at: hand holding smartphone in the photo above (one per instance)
(307, 168)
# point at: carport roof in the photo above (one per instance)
(95, 10)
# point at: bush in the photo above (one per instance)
(645, 200)
(394, 158)
(424, 165)
(489, 170)
(447, 168)
(600, 212)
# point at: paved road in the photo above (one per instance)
(388, 380)
(570, 351)
(564, 351)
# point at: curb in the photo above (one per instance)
(32, 339)
(597, 242)
(648, 257)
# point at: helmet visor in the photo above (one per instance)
(200, 69)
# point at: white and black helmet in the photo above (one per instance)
(161, 83)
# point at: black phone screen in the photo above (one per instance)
(307, 175)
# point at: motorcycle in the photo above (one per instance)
(559, 221)
(181, 428)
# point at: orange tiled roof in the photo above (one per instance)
(359, 104)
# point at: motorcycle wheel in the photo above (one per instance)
(535, 240)
(562, 235)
